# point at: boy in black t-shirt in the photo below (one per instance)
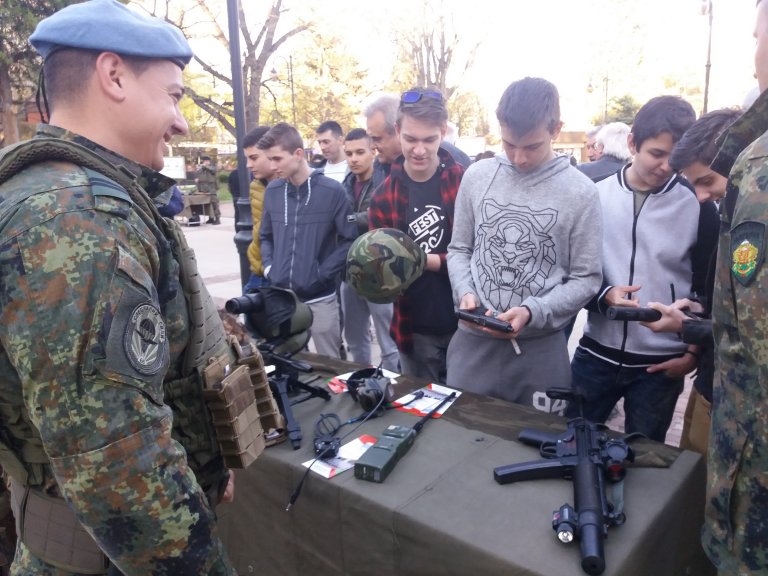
(418, 198)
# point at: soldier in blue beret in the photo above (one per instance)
(103, 425)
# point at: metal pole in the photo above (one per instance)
(605, 107)
(293, 93)
(244, 226)
(709, 60)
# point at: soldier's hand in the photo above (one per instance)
(229, 492)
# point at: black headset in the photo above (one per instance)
(368, 386)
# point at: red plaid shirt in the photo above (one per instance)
(389, 208)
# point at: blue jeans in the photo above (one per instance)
(255, 281)
(649, 399)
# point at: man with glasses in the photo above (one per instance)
(418, 198)
(381, 118)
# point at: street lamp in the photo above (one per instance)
(591, 89)
(274, 76)
(706, 10)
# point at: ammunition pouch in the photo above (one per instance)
(272, 421)
(52, 532)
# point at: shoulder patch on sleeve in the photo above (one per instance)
(103, 186)
(747, 250)
(144, 339)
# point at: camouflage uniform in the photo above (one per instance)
(208, 183)
(735, 534)
(94, 330)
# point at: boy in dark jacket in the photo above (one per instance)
(306, 232)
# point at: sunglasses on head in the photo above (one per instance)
(413, 96)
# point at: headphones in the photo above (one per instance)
(368, 386)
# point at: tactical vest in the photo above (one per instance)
(192, 424)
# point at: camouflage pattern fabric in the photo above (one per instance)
(745, 130)
(93, 323)
(206, 180)
(382, 263)
(735, 534)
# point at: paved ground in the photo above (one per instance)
(218, 262)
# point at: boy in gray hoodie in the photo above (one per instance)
(526, 247)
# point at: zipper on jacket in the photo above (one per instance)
(295, 233)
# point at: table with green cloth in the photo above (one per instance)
(441, 512)
(197, 204)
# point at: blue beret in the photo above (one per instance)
(109, 26)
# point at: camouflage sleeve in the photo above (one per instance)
(81, 322)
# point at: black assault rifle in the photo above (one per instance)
(586, 455)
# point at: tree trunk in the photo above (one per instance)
(7, 110)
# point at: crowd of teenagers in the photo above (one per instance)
(108, 334)
(526, 237)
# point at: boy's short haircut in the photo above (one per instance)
(428, 108)
(66, 70)
(358, 134)
(698, 144)
(253, 136)
(283, 135)
(529, 104)
(670, 114)
(331, 125)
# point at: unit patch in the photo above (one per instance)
(747, 250)
(144, 339)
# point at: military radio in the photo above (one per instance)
(378, 461)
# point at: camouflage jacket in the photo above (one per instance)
(93, 323)
(206, 180)
(735, 535)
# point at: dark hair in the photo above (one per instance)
(670, 114)
(357, 134)
(698, 144)
(529, 104)
(283, 135)
(253, 136)
(427, 109)
(66, 71)
(331, 125)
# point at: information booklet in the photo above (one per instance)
(433, 394)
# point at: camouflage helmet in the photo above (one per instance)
(382, 263)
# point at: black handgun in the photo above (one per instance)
(477, 316)
(627, 313)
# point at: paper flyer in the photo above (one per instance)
(338, 384)
(348, 455)
(433, 395)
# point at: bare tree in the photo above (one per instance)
(430, 49)
(257, 50)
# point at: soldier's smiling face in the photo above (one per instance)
(154, 94)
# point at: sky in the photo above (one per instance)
(642, 47)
